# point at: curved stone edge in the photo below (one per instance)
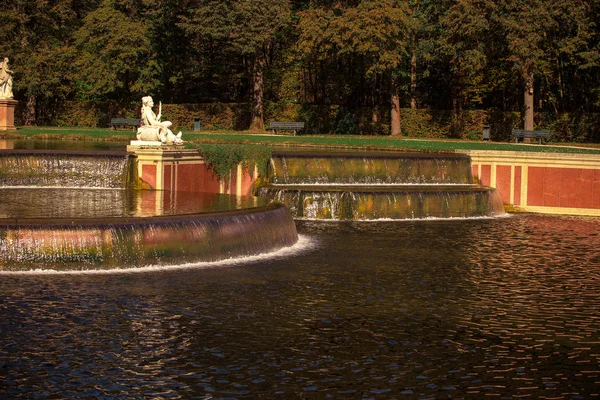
(152, 241)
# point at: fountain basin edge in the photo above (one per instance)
(108, 243)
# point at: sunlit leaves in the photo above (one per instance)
(375, 30)
(115, 54)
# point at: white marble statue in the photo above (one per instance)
(152, 129)
(6, 80)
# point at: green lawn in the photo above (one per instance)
(338, 141)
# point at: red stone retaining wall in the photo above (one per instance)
(185, 170)
(542, 182)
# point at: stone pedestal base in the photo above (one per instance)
(135, 145)
(7, 114)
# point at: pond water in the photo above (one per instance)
(501, 308)
(54, 202)
(31, 144)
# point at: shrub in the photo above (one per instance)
(224, 158)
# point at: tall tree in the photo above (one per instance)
(262, 21)
(37, 37)
(216, 67)
(464, 43)
(115, 55)
(372, 32)
(247, 29)
(573, 54)
(525, 24)
(423, 35)
(169, 48)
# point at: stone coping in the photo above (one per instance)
(135, 145)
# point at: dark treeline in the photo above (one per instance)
(508, 55)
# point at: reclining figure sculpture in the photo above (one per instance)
(152, 129)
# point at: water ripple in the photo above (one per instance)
(444, 309)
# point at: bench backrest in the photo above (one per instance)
(526, 133)
(287, 125)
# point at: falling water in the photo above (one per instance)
(75, 211)
(80, 244)
(64, 169)
(370, 168)
(355, 186)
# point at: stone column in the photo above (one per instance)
(7, 114)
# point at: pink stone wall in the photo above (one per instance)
(486, 174)
(553, 184)
(192, 175)
(518, 172)
(562, 187)
(192, 178)
(148, 175)
(503, 182)
(247, 183)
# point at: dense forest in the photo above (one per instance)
(523, 56)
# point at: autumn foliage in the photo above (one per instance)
(369, 59)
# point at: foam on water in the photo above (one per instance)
(303, 245)
(424, 220)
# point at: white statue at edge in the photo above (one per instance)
(6, 80)
(152, 129)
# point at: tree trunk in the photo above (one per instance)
(258, 121)
(29, 118)
(413, 79)
(395, 99)
(528, 102)
(457, 125)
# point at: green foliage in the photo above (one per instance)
(370, 38)
(212, 115)
(332, 62)
(224, 159)
(464, 41)
(245, 29)
(115, 56)
(37, 37)
(526, 23)
(571, 128)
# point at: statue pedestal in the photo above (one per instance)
(7, 114)
(135, 145)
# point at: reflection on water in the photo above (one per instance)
(505, 308)
(18, 202)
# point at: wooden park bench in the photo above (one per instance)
(521, 133)
(124, 123)
(286, 126)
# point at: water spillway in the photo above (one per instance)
(64, 168)
(386, 185)
(369, 168)
(117, 242)
(80, 211)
